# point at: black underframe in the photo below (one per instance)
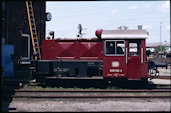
(67, 68)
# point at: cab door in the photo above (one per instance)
(134, 59)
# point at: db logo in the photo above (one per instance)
(115, 64)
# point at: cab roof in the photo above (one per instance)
(124, 34)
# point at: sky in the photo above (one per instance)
(92, 15)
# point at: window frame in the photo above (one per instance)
(115, 48)
(28, 57)
(138, 49)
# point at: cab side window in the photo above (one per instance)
(110, 47)
(115, 48)
(120, 47)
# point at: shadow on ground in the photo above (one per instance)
(100, 84)
(7, 90)
(6, 97)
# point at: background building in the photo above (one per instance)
(152, 46)
(15, 31)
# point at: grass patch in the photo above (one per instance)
(74, 88)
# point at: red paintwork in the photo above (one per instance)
(90, 50)
(71, 50)
(114, 72)
(137, 70)
(144, 69)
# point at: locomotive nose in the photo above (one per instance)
(99, 33)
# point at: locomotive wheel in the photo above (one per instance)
(144, 81)
(41, 79)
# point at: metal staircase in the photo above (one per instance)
(33, 31)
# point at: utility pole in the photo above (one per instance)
(160, 36)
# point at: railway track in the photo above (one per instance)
(147, 96)
(161, 77)
(164, 77)
(39, 93)
(149, 91)
(50, 90)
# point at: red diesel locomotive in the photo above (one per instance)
(114, 54)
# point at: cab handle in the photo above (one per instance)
(129, 59)
(126, 55)
(141, 55)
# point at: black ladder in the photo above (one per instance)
(33, 31)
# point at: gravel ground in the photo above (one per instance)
(160, 81)
(79, 105)
(164, 71)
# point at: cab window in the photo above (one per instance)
(134, 49)
(120, 47)
(110, 47)
(113, 48)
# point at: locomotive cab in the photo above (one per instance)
(125, 54)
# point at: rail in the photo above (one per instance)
(42, 93)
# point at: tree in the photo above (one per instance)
(163, 49)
